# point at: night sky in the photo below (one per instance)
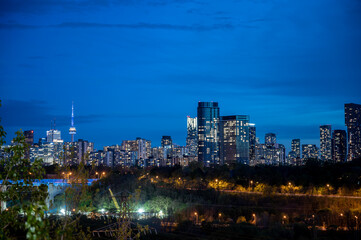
(137, 68)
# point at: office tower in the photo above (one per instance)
(208, 133)
(309, 151)
(325, 142)
(252, 143)
(234, 136)
(72, 129)
(296, 147)
(270, 139)
(281, 154)
(29, 137)
(29, 140)
(192, 136)
(339, 146)
(166, 142)
(53, 136)
(353, 123)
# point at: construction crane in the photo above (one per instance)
(114, 200)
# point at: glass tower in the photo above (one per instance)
(234, 139)
(339, 146)
(296, 147)
(192, 136)
(208, 133)
(252, 143)
(325, 142)
(353, 123)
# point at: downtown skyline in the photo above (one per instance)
(138, 69)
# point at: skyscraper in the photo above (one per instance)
(166, 142)
(72, 129)
(29, 137)
(208, 133)
(296, 147)
(353, 123)
(252, 143)
(339, 146)
(325, 142)
(270, 139)
(234, 136)
(192, 136)
(53, 135)
(309, 151)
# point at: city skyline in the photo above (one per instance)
(137, 69)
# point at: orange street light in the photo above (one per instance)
(289, 183)
(328, 185)
(219, 214)
(284, 216)
(253, 215)
(341, 214)
(103, 173)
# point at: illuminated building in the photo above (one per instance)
(166, 142)
(353, 123)
(270, 139)
(325, 142)
(252, 143)
(208, 133)
(234, 136)
(296, 147)
(309, 151)
(339, 146)
(29, 140)
(29, 137)
(72, 129)
(192, 136)
(270, 153)
(53, 135)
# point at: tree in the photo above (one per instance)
(20, 189)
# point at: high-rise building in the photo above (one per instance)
(252, 143)
(72, 129)
(339, 146)
(353, 123)
(309, 151)
(325, 142)
(296, 147)
(192, 136)
(29, 137)
(270, 139)
(234, 136)
(53, 135)
(166, 142)
(29, 140)
(208, 133)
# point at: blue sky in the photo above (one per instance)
(138, 68)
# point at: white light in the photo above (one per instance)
(160, 213)
(62, 211)
(140, 210)
(102, 210)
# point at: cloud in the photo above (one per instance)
(194, 27)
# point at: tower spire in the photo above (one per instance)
(72, 129)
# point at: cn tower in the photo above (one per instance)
(72, 129)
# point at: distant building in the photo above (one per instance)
(234, 136)
(53, 136)
(309, 151)
(270, 153)
(325, 142)
(252, 143)
(339, 146)
(208, 133)
(29, 137)
(166, 142)
(296, 147)
(29, 140)
(270, 139)
(353, 123)
(192, 136)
